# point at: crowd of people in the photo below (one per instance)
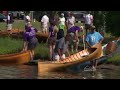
(62, 33)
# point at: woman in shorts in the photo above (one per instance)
(52, 39)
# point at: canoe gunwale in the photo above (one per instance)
(18, 58)
(49, 67)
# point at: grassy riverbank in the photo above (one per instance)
(9, 45)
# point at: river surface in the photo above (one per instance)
(104, 71)
(18, 72)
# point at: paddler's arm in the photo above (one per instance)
(59, 52)
(101, 40)
(88, 44)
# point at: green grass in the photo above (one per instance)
(20, 24)
(42, 51)
(9, 45)
(115, 59)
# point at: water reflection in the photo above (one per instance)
(18, 72)
(31, 72)
(103, 72)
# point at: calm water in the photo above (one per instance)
(18, 72)
(103, 72)
(30, 72)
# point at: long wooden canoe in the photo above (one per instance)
(42, 37)
(75, 59)
(13, 32)
(18, 58)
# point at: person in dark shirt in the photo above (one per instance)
(73, 33)
(52, 39)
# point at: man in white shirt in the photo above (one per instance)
(88, 21)
(44, 23)
(9, 21)
(70, 20)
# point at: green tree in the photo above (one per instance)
(99, 20)
(113, 22)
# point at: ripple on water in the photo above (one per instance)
(104, 71)
(18, 72)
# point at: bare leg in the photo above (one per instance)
(25, 44)
(45, 30)
(53, 47)
(72, 47)
(50, 50)
(76, 47)
(32, 54)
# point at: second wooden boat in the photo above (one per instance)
(42, 37)
(75, 59)
(17, 58)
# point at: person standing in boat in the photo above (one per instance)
(73, 33)
(31, 40)
(91, 39)
(52, 38)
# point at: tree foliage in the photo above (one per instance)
(99, 20)
(113, 22)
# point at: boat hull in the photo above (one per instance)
(42, 37)
(18, 58)
(75, 59)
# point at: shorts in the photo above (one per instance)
(87, 26)
(59, 44)
(52, 41)
(44, 27)
(72, 39)
(32, 43)
(9, 27)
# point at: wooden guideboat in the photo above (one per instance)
(18, 58)
(13, 32)
(75, 59)
(42, 37)
(40, 34)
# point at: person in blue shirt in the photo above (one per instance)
(92, 38)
